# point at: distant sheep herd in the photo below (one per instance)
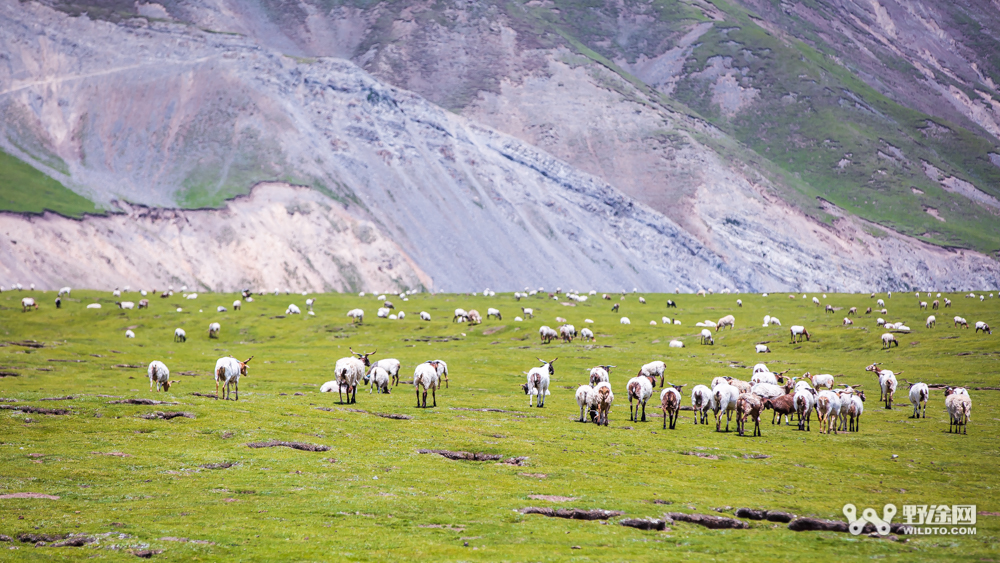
(792, 397)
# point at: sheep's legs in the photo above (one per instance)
(216, 389)
(433, 396)
(644, 411)
(237, 386)
(425, 398)
(665, 418)
(416, 389)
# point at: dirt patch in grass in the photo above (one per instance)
(644, 524)
(762, 514)
(140, 402)
(9, 374)
(29, 344)
(29, 495)
(699, 454)
(463, 456)
(167, 415)
(209, 395)
(820, 525)
(6, 400)
(66, 398)
(35, 538)
(61, 360)
(490, 331)
(147, 553)
(113, 454)
(223, 465)
(534, 475)
(709, 521)
(572, 513)
(478, 410)
(35, 410)
(553, 498)
(74, 541)
(294, 445)
(127, 366)
(186, 540)
(755, 456)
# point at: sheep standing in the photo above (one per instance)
(960, 321)
(425, 377)
(491, 312)
(180, 335)
(724, 398)
(159, 375)
(538, 382)
(379, 379)
(653, 369)
(293, 309)
(625, 321)
(827, 410)
(670, 402)
(349, 372)
(474, 317)
(797, 332)
(701, 401)
(748, 405)
(567, 333)
(28, 303)
(706, 336)
(391, 366)
(959, 410)
(888, 339)
(919, 393)
(584, 398)
(547, 334)
(460, 316)
(603, 397)
(144, 303)
(805, 401)
(855, 410)
(357, 315)
(309, 303)
(528, 312)
(600, 373)
(980, 325)
(639, 388)
(129, 334)
(587, 334)
(237, 305)
(213, 330)
(931, 321)
(728, 320)
(227, 372)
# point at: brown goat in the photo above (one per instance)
(748, 404)
(783, 405)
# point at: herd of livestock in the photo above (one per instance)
(837, 408)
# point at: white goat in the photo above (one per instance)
(827, 410)
(587, 334)
(227, 372)
(160, 375)
(213, 330)
(425, 316)
(959, 410)
(538, 382)
(653, 369)
(931, 321)
(584, 398)
(762, 349)
(728, 320)
(357, 315)
(180, 335)
(919, 394)
(639, 388)
(349, 372)
(491, 312)
(797, 332)
(391, 366)
(701, 401)
(670, 402)
(706, 336)
(425, 377)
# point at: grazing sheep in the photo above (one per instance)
(425, 316)
(293, 309)
(461, 315)
(180, 335)
(28, 303)
(923, 304)
(584, 398)
(888, 339)
(827, 410)
(567, 333)
(701, 401)
(848, 322)
(442, 368)
(886, 381)
(724, 398)
(676, 344)
(587, 334)
(219, 309)
(670, 402)
(491, 312)
(159, 375)
(805, 401)
(639, 388)
(670, 303)
(739, 302)
(815, 301)
(706, 336)
(762, 349)
(603, 397)
(852, 311)
(935, 304)
(391, 367)
(959, 410)
(919, 394)
(797, 332)
(642, 300)
(358, 316)
(763, 377)
(614, 308)
(401, 315)
(547, 334)
(382, 313)
(854, 411)
(538, 382)
(748, 405)
(129, 334)
(931, 321)
(379, 379)
(125, 305)
(653, 369)
(473, 317)
(144, 303)
(349, 372)
(425, 377)
(728, 320)
(312, 301)
(528, 312)
(980, 325)
(947, 302)
(227, 372)
(959, 321)
(64, 291)
(600, 373)
(213, 330)
(625, 321)
(880, 303)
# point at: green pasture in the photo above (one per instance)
(373, 497)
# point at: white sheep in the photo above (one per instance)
(816, 301)
(625, 321)
(880, 303)
(125, 304)
(888, 339)
(701, 401)
(90, 306)
(584, 398)
(670, 402)
(959, 410)
(358, 315)
(401, 315)
(774, 321)
(653, 369)
(919, 394)
(442, 369)
(797, 332)
(827, 410)
(848, 322)
(728, 320)
(804, 401)
(227, 372)
(821, 380)
(379, 379)
(855, 408)
(762, 349)
(677, 321)
(220, 309)
(425, 377)
(382, 313)
(117, 292)
(886, 381)
(931, 321)
(349, 372)
(461, 316)
(759, 368)
(538, 382)
(587, 334)
(129, 334)
(310, 302)
(28, 303)
(706, 336)
(763, 377)
(724, 398)
(567, 333)
(642, 300)
(425, 316)
(528, 312)
(391, 366)
(639, 388)
(600, 373)
(293, 309)
(767, 390)
(159, 375)
(767, 321)
(603, 398)
(491, 312)
(64, 291)
(676, 344)
(191, 296)
(739, 302)
(980, 325)
(180, 335)
(213, 330)
(960, 321)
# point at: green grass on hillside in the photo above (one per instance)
(135, 483)
(26, 190)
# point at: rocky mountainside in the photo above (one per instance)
(658, 145)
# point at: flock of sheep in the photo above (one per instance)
(800, 397)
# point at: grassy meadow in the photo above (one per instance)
(139, 484)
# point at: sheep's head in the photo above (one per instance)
(548, 364)
(768, 405)
(363, 356)
(862, 395)
(525, 388)
(243, 366)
